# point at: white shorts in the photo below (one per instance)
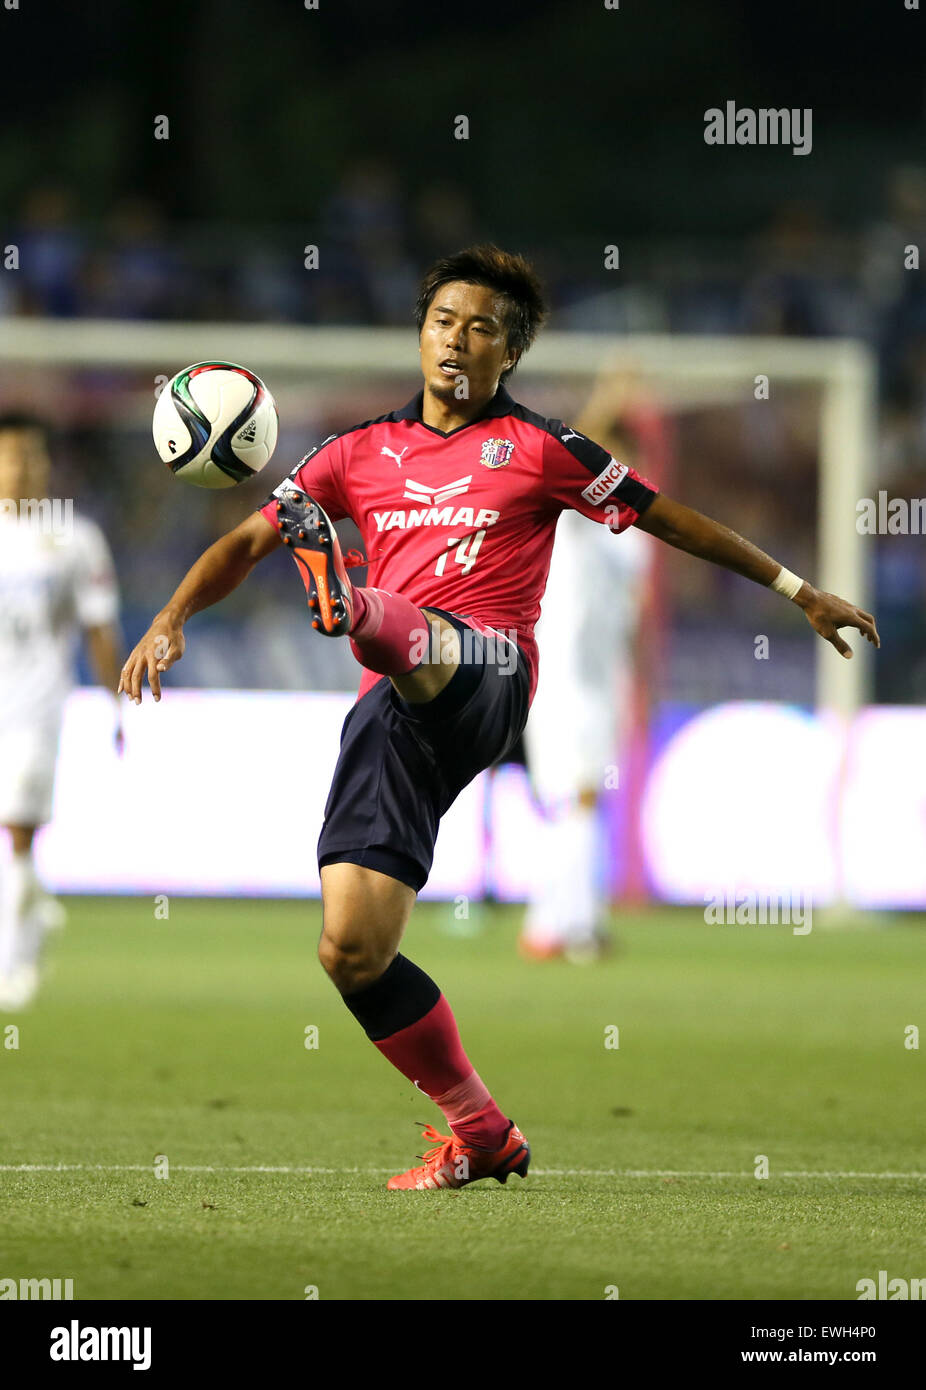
(28, 754)
(573, 733)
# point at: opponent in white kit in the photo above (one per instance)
(574, 731)
(57, 582)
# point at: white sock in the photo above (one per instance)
(7, 935)
(20, 935)
(566, 904)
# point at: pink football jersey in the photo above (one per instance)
(465, 521)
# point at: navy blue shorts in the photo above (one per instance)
(401, 766)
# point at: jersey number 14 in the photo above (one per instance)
(465, 554)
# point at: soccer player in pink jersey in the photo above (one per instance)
(456, 496)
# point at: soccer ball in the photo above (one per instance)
(215, 424)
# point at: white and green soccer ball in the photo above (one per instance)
(215, 424)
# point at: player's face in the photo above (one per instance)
(464, 343)
(24, 464)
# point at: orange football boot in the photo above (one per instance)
(306, 528)
(451, 1163)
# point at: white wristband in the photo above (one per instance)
(786, 583)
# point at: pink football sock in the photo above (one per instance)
(431, 1055)
(388, 632)
(472, 1114)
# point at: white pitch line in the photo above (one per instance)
(740, 1173)
(375, 1172)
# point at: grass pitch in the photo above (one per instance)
(187, 1038)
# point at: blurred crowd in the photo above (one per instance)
(800, 275)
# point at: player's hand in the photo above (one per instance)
(161, 646)
(827, 612)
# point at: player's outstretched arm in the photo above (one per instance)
(697, 534)
(218, 571)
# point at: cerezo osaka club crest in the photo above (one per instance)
(496, 452)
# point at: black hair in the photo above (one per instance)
(506, 273)
(22, 420)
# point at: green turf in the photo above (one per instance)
(186, 1038)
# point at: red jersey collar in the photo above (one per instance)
(500, 404)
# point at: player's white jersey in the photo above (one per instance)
(587, 619)
(51, 586)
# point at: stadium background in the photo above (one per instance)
(183, 1035)
(338, 134)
